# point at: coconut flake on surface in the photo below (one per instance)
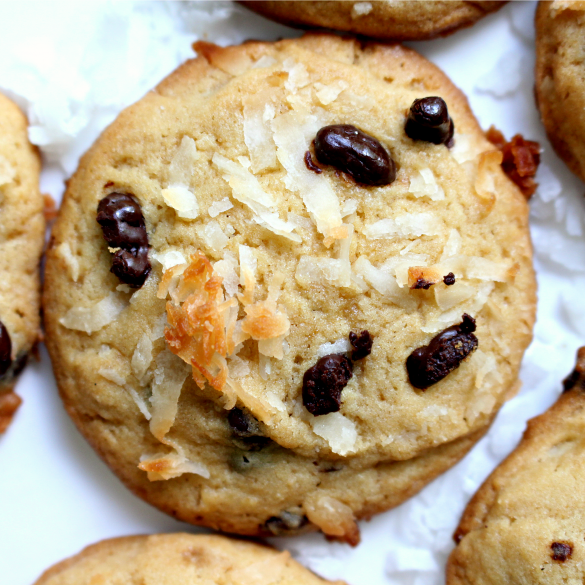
(163, 466)
(292, 136)
(7, 171)
(247, 190)
(264, 62)
(479, 268)
(142, 356)
(212, 235)
(409, 224)
(448, 297)
(339, 432)
(328, 93)
(452, 246)
(140, 402)
(258, 114)
(464, 149)
(360, 9)
(298, 76)
(227, 269)
(238, 367)
(168, 258)
(332, 516)
(340, 346)
(349, 207)
(64, 250)
(112, 375)
(424, 184)
(91, 319)
(218, 207)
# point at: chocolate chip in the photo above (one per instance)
(449, 279)
(361, 343)
(422, 283)
(576, 379)
(428, 119)
(310, 164)
(323, 383)
(5, 350)
(123, 227)
(356, 153)
(561, 551)
(429, 364)
(285, 524)
(247, 430)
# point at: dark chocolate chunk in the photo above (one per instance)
(561, 551)
(123, 226)
(422, 283)
(356, 153)
(5, 350)
(285, 524)
(428, 119)
(247, 430)
(361, 343)
(449, 279)
(429, 364)
(309, 163)
(323, 383)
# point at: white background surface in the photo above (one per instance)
(72, 67)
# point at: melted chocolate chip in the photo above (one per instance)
(449, 279)
(323, 383)
(247, 430)
(309, 163)
(123, 226)
(5, 350)
(356, 153)
(362, 345)
(428, 119)
(561, 551)
(429, 364)
(285, 524)
(422, 283)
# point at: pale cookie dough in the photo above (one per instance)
(22, 230)
(560, 78)
(268, 266)
(525, 524)
(402, 20)
(179, 559)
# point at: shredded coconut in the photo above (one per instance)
(339, 432)
(168, 258)
(212, 235)
(64, 250)
(409, 224)
(258, 113)
(90, 319)
(7, 171)
(327, 94)
(361, 8)
(424, 184)
(218, 207)
(112, 375)
(340, 346)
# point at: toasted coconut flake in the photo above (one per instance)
(487, 168)
(383, 282)
(327, 94)
(163, 466)
(424, 184)
(169, 258)
(268, 571)
(409, 224)
(90, 319)
(292, 138)
(169, 376)
(423, 277)
(361, 8)
(247, 190)
(7, 171)
(448, 297)
(339, 432)
(333, 517)
(340, 346)
(218, 207)
(64, 250)
(258, 113)
(112, 375)
(226, 269)
(213, 236)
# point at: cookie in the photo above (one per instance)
(525, 524)
(22, 229)
(559, 86)
(323, 286)
(401, 20)
(175, 559)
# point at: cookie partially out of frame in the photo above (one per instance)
(178, 559)
(560, 78)
(22, 228)
(525, 523)
(295, 335)
(401, 20)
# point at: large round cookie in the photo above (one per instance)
(179, 559)
(312, 257)
(401, 20)
(525, 524)
(22, 228)
(560, 85)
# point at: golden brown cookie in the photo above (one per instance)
(402, 20)
(560, 73)
(525, 523)
(22, 229)
(177, 559)
(294, 335)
